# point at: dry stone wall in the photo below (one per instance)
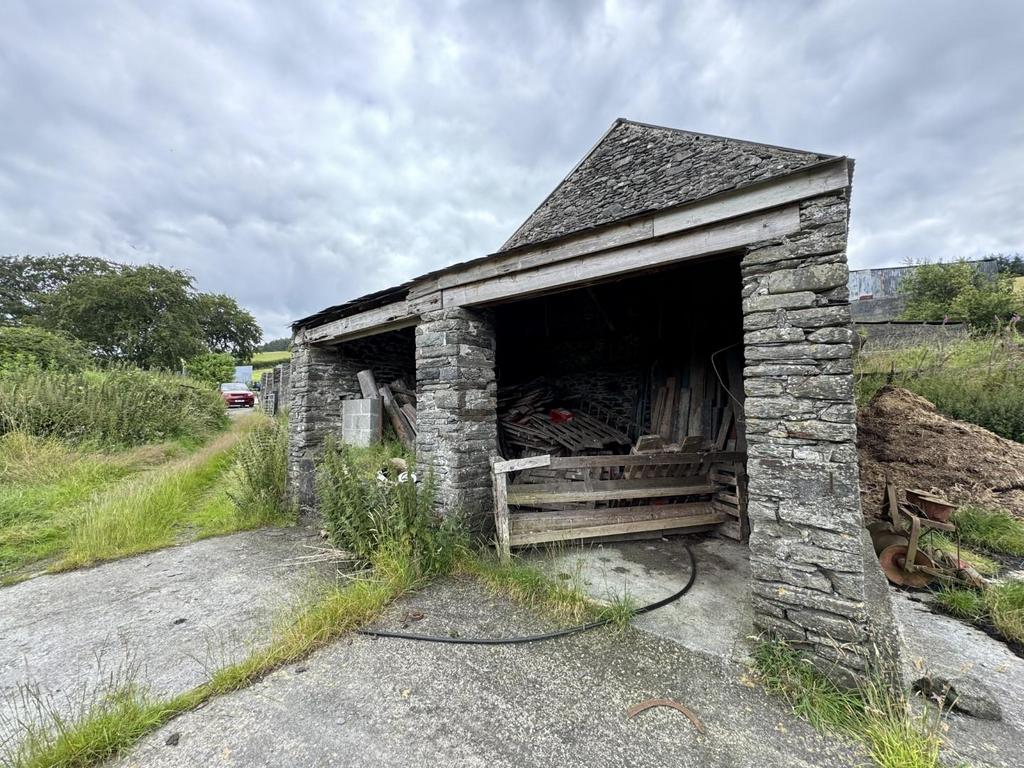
(456, 409)
(320, 379)
(806, 549)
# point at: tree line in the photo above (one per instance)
(961, 292)
(141, 315)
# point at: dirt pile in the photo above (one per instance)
(922, 448)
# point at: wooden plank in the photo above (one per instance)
(402, 429)
(499, 484)
(723, 431)
(515, 465)
(641, 459)
(390, 317)
(666, 524)
(771, 193)
(577, 272)
(367, 383)
(683, 415)
(410, 415)
(606, 490)
(669, 409)
(549, 520)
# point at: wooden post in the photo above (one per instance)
(367, 383)
(397, 418)
(501, 522)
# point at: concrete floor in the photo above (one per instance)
(164, 619)
(383, 702)
(647, 571)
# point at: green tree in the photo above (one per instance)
(276, 345)
(212, 368)
(959, 291)
(144, 316)
(227, 327)
(25, 281)
(41, 348)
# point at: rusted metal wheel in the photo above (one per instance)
(894, 560)
(883, 536)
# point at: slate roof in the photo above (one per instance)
(637, 168)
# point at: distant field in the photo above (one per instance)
(265, 361)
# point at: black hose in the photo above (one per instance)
(537, 638)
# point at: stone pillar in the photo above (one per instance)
(320, 378)
(806, 544)
(456, 409)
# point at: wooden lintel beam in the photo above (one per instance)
(705, 241)
(390, 317)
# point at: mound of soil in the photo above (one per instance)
(922, 448)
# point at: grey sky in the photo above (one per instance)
(300, 153)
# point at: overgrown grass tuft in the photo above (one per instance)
(893, 736)
(530, 586)
(991, 529)
(110, 409)
(1005, 605)
(963, 603)
(260, 474)
(1001, 605)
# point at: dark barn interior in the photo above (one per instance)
(644, 371)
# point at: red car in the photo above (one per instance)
(237, 394)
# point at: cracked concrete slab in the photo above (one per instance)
(175, 614)
(365, 701)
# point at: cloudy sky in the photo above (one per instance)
(299, 153)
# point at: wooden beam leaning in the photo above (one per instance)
(580, 271)
(390, 317)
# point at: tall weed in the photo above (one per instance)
(260, 474)
(370, 513)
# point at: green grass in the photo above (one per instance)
(44, 482)
(875, 716)
(118, 408)
(991, 529)
(266, 361)
(979, 380)
(1001, 605)
(528, 585)
(986, 566)
(64, 507)
(967, 604)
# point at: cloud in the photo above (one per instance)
(299, 154)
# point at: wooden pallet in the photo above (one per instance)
(683, 497)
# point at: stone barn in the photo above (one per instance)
(664, 345)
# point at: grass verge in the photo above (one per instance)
(893, 736)
(999, 605)
(991, 529)
(69, 507)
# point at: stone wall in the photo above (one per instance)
(878, 336)
(456, 419)
(807, 562)
(320, 378)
